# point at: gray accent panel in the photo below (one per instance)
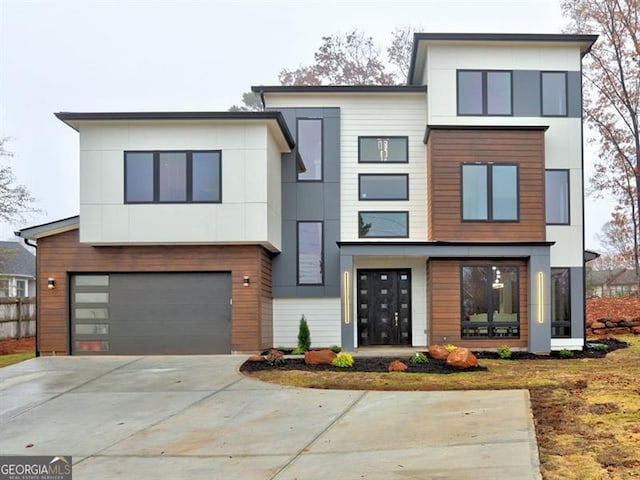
(576, 275)
(347, 330)
(164, 313)
(526, 93)
(539, 333)
(309, 201)
(440, 250)
(574, 94)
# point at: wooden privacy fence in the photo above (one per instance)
(17, 317)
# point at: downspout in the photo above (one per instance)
(35, 246)
(264, 106)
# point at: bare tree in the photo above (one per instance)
(399, 53)
(612, 97)
(15, 200)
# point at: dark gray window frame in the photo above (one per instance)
(156, 177)
(566, 94)
(321, 120)
(368, 199)
(489, 218)
(405, 212)
(568, 172)
(399, 137)
(562, 323)
(489, 323)
(484, 94)
(298, 253)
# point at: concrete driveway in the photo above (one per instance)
(195, 417)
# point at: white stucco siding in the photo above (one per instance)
(418, 290)
(389, 114)
(322, 315)
(250, 208)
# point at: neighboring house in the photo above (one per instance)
(448, 210)
(17, 271)
(612, 283)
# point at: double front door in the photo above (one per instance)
(384, 307)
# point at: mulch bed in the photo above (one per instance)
(381, 364)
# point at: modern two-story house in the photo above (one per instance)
(449, 209)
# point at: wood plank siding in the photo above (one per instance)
(445, 309)
(60, 256)
(447, 150)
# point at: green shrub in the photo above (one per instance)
(601, 347)
(304, 336)
(343, 360)
(450, 348)
(504, 352)
(275, 358)
(297, 351)
(564, 353)
(418, 358)
(335, 348)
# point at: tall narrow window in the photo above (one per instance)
(310, 253)
(139, 181)
(173, 177)
(560, 302)
(557, 197)
(206, 181)
(554, 93)
(490, 302)
(489, 192)
(484, 92)
(310, 148)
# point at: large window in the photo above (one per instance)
(383, 224)
(557, 197)
(310, 148)
(310, 253)
(490, 302)
(173, 177)
(560, 302)
(554, 93)
(383, 149)
(484, 92)
(489, 192)
(377, 186)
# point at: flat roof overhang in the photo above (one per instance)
(444, 249)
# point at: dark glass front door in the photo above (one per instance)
(384, 307)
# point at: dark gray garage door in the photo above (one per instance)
(151, 313)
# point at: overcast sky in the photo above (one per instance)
(90, 55)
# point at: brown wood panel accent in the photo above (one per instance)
(447, 150)
(60, 256)
(444, 312)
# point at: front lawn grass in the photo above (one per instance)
(586, 411)
(10, 359)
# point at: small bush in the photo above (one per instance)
(418, 358)
(274, 358)
(343, 360)
(504, 352)
(304, 336)
(564, 353)
(450, 348)
(601, 347)
(335, 348)
(297, 351)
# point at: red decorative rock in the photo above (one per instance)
(618, 331)
(635, 330)
(397, 366)
(438, 352)
(595, 325)
(319, 357)
(256, 358)
(462, 358)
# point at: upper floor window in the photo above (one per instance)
(310, 253)
(377, 186)
(553, 86)
(173, 177)
(310, 148)
(383, 149)
(383, 224)
(489, 192)
(484, 92)
(557, 197)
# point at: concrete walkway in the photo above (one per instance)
(195, 417)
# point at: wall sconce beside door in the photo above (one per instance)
(51, 283)
(245, 281)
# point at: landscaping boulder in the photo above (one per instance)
(319, 357)
(256, 358)
(439, 352)
(595, 325)
(462, 358)
(397, 366)
(635, 330)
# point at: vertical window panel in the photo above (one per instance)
(557, 197)
(139, 177)
(498, 93)
(560, 303)
(310, 253)
(310, 148)
(470, 97)
(554, 93)
(205, 183)
(474, 192)
(172, 177)
(505, 192)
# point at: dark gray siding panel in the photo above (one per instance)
(526, 93)
(310, 201)
(574, 94)
(577, 302)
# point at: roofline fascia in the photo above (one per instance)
(429, 128)
(262, 89)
